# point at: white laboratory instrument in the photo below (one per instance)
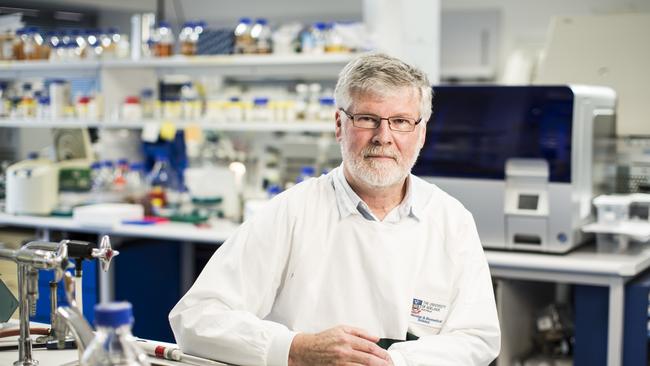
(522, 159)
(32, 187)
(622, 219)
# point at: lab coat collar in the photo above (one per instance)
(349, 202)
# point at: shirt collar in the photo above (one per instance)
(349, 202)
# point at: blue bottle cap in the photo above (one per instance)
(122, 162)
(262, 21)
(164, 24)
(245, 20)
(273, 190)
(95, 165)
(307, 170)
(136, 166)
(328, 101)
(261, 101)
(113, 314)
(113, 30)
(32, 155)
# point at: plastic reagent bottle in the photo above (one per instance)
(114, 345)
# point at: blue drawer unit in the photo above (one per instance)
(147, 274)
(591, 307)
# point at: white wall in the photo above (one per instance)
(227, 12)
(524, 23)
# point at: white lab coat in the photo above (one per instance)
(304, 264)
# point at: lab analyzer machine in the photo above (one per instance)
(526, 161)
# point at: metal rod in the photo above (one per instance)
(53, 303)
(25, 341)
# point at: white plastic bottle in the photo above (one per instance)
(114, 345)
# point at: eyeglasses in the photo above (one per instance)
(371, 121)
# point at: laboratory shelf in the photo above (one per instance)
(179, 61)
(297, 126)
(45, 65)
(217, 233)
(46, 123)
(308, 66)
(301, 126)
(312, 67)
(49, 69)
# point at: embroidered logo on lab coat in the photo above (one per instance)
(428, 313)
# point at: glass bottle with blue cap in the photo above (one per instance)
(113, 343)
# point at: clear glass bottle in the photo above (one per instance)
(18, 43)
(96, 183)
(52, 40)
(190, 105)
(327, 109)
(147, 103)
(114, 344)
(119, 178)
(30, 47)
(109, 40)
(164, 185)
(199, 27)
(243, 39)
(334, 40)
(94, 47)
(318, 32)
(136, 187)
(261, 34)
(187, 40)
(78, 39)
(164, 40)
(306, 172)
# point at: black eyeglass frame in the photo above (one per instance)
(388, 119)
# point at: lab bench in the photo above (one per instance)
(582, 267)
(151, 269)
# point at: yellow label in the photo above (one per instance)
(167, 131)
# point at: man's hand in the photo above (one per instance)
(340, 345)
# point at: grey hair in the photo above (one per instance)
(381, 74)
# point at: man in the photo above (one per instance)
(364, 253)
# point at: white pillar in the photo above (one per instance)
(407, 29)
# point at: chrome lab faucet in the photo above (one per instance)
(49, 256)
